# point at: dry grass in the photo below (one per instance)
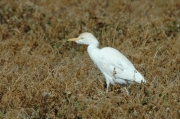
(43, 76)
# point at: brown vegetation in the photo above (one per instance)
(43, 76)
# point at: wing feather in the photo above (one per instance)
(111, 59)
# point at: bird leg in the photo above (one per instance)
(107, 88)
(126, 90)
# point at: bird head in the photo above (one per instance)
(85, 38)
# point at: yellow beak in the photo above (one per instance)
(74, 39)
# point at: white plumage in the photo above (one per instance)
(114, 65)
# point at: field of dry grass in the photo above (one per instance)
(44, 76)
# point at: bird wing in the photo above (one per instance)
(112, 61)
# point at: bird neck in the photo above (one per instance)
(93, 51)
(94, 45)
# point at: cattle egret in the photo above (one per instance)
(115, 67)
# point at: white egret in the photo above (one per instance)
(115, 67)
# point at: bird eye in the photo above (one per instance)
(135, 71)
